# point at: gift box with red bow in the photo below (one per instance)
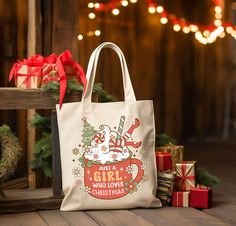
(163, 161)
(180, 199)
(200, 198)
(27, 73)
(185, 175)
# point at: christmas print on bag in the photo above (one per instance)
(108, 160)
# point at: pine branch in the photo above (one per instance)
(163, 139)
(206, 178)
(40, 122)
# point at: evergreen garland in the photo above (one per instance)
(43, 147)
(163, 139)
(206, 178)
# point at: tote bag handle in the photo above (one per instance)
(91, 71)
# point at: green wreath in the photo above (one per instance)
(10, 152)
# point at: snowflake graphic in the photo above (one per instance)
(95, 156)
(145, 178)
(75, 151)
(76, 172)
(143, 166)
(129, 169)
(131, 186)
(114, 156)
(79, 183)
(143, 152)
(86, 190)
(87, 150)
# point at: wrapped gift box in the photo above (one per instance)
(165, 181)
(200, 198)
(28, 77)
(163, 161)
(185, 175)
(175, 151)
(180, 198)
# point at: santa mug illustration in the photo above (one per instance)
(110, 169)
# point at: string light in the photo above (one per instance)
(176, 27)
(159, 9)
(80, 37)
(151, 9)
(164, 20)
(91, 16)
(124, 3)
(208, 35)
(115, 12)
(89, 34)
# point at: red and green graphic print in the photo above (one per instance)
(109, 160)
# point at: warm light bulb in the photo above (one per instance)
(115, 11)
(91, 15)
(218, 9)
(163, 20)
(206, 33)
(151, 9)
(217, 23)
(124, 3)
(186, 29)
(176, 27)
(97, 32)
(193, 27)
(160, 9)
(80, 37)
(90, 5)
(222, 34)
(133, 1)
(229, 29)
(218, 16)
(96, 5)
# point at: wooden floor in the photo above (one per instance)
(218, 158)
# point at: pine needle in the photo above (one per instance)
(206, 178)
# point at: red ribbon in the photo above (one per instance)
(184, 177)
(65, 59)
(37, 61)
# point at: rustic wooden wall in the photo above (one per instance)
(13, 46)
(185, 79)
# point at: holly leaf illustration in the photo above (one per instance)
(89, 164)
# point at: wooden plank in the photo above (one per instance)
(53, 218)
(16, 98)
(118, 217)
(170, 216)
(18, 183)
(78, 218)
(28, 200)
(56, 158)
(26, 219)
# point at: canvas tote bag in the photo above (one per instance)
(107, 149)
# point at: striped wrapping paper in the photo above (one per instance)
(166, 181)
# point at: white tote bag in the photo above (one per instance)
(107, 149)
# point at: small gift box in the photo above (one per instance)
(27, 73)
(176, 152)
(185, 175)
(200, 198)
(163, 161)
(180, 199)
(165, 181)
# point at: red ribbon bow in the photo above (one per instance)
(34, 61)
(38, 61)
(65, 59)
